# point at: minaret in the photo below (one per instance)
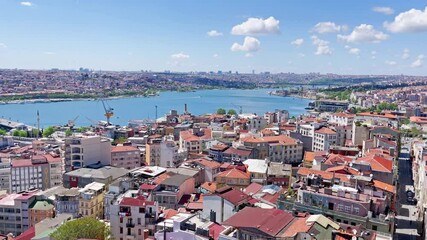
(38, 124)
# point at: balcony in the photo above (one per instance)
(125, 214)
(130, 225)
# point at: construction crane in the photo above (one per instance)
(72, 122)
(240, 108)
(108, 111)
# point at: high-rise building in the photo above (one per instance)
(87, 150)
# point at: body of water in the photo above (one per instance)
(125, 109)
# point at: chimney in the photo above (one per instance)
(391, 151)
(212, 216)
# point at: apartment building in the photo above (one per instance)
(342, 119)
(91, 201)
(164, 153)
(126, 157)
(133, 217)
(40, 210)
(172, 189)
(68, 202)
(36, 171)
(14, 217)
(276, 148)
(193, 140)
(5, 174)
(324, 138)
(86, 150)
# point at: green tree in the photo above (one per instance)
(16, 133)
(220, 111)
(231, 112)
(119, 140)
(68, 132)
(2, 132)
(87, 228)
(35, 132)
(48, 131)
(23, 133)
(82, 129)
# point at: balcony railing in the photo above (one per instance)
(123, 214)
(130, 225)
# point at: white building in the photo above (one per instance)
(342, 119)
(38, 171)
(86, 150)
(258, 170)
(133, 217)
(324, 138)
(15, 216)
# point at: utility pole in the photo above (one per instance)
(156, 114)
(38, 125)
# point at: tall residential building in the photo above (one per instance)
(15, 216)
(87, 150)
(37, 171)
(5, 174)
(133, 217)
(91, 201)
(126, 157)
(324, 138)
(164, 153)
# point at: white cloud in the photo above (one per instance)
(418, 62)
(27, 4)
(180, 56)
(301, 55)
(248, 55)
(374, 54)
(214, 33)
(49, 53)
(347, 47)
(354, 51)
(322, 46)
(257, 26)
(298, 42)
(2, 45)
(364, 33)
(250, 44)
(327, 27)
(405, 54)
(413, 20)
(384, 10)
(391, 63)
(215, 56)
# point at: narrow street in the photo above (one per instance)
(405, 219)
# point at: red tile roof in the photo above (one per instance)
(253, 188)
(271, 139)
(325, 130)
(28, 234)
(234, 173)
(235, 197)
(135, 202)
(268, 221)
(117, 149)
(384, 186)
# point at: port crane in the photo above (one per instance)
(240, 108)
(72, 122)
(108, 111)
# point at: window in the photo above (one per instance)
(347, 209)
(374, 227)
(340, 207)
(356, 210)
(121, 230)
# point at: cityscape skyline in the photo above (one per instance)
(344, 38)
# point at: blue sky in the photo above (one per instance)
(346, 37)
